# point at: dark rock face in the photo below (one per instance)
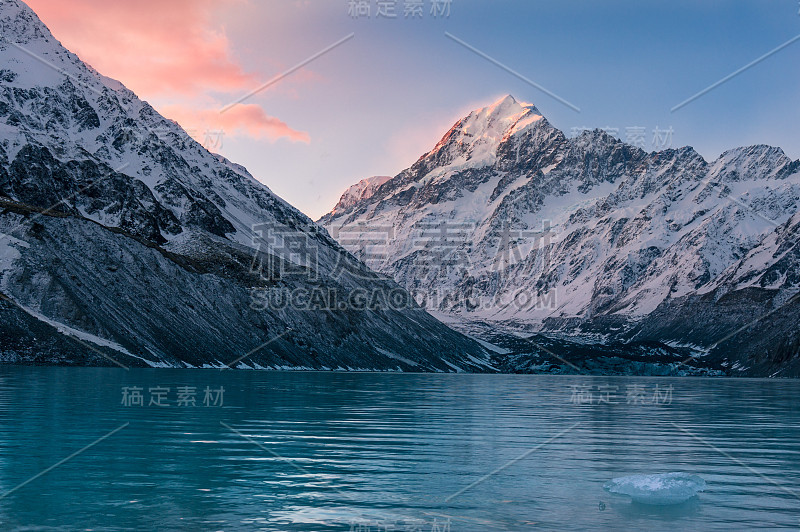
(154, 307)
(123, 241)
(599, 238)
(37, 179)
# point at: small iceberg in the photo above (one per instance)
(663, 489)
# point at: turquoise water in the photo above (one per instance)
(333, 451)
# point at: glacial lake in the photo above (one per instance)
(247, 450)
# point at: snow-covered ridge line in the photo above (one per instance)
(125, 232)
(361, 191)
(630, 232)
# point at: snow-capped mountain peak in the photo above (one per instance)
(477, 136)
(361, 191)
(24, 38)
(629, 233)
(505, 111)
(20, 24)
(58, 104)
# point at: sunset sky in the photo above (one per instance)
(376, 102)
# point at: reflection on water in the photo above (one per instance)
(332, 451)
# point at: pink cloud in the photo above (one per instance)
(174, 49)
(242, 119)
(155, 47)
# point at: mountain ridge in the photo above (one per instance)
(124, 241)
(596, 233)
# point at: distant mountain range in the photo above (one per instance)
(123, 241)
(507, 223)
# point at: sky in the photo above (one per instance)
(391, 87)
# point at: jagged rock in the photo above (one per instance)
(507, 220)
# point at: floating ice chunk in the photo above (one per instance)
(666, 488)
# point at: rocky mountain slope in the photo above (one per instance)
(361, 191)
(122, 240)
(508, 221)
